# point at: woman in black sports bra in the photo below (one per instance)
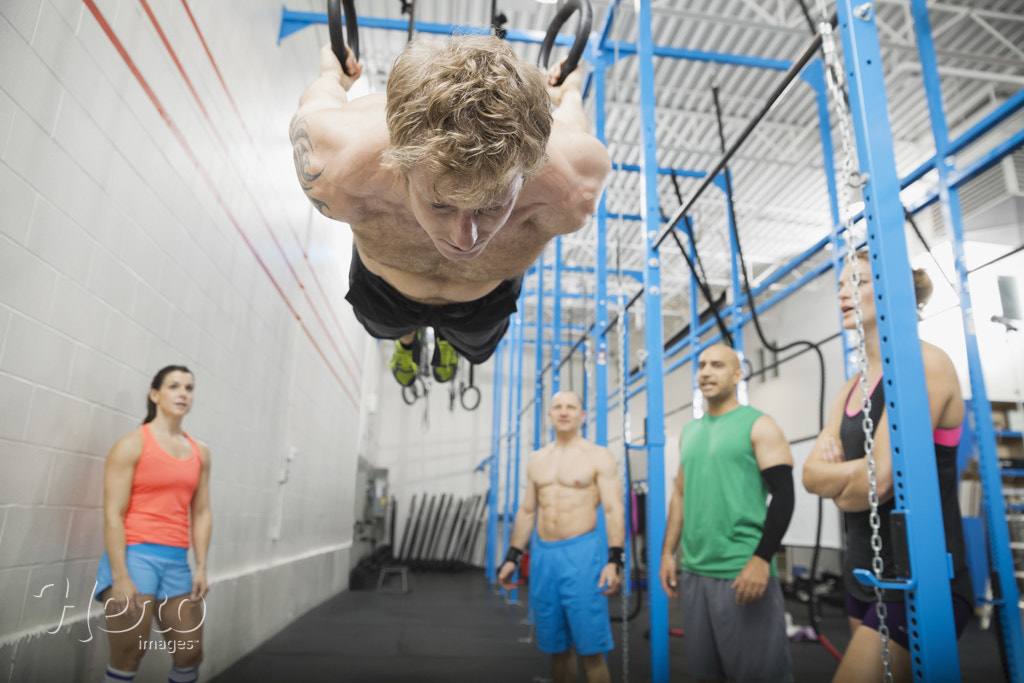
(836, 469)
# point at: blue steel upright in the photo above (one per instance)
(556, 320)
(654, 339)
(601, 63)
(517, 382)
(511, 477)
(915, 480)
(538, 350)
(492, 491)
(991, 478)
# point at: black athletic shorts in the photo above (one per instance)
(473, 328)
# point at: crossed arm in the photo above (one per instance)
(829, 474)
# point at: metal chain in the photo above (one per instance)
(833, 74)
(627, 436)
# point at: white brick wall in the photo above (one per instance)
(122, 250)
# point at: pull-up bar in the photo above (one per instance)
(787, 80)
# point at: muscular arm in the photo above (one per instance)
(776, 464)
(826, 473)
(579, 161)
(526, 515)
(673, 534)
(945, 406)
(118, 472)
(568, 99)
(202, 526)
(335, 141)
(526, 518)
(609, 488)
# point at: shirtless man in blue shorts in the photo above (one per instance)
(572, 567)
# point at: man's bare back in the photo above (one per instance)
(410, 238)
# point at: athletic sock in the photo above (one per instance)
(118, 676)
(189, 675)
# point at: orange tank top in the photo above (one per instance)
(162, 490)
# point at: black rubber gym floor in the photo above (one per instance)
(454, 628)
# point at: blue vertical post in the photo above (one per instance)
(913, 456)
(492, 492)
(515, 418)
(654, 339)
(519, 337)
(991, 478)
(624, 404)
(556, 320)
(510, 476)
(601, 272)
(538, 349)
(586, 386)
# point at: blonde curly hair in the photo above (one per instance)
(468, 112)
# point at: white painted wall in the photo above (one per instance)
(151, 216)
(429, 448)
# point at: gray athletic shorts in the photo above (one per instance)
(738, 643)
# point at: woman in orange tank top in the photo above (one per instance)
(156, 504)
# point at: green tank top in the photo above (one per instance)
(724, 496)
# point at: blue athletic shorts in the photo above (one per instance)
(567, 604)
(896, 616)
(159, 570)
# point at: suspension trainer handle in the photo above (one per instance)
(582, 34)
(334, 23)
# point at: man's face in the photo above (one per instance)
(718, 373)
(460, 233)
(566, 413)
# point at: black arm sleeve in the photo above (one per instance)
(780, 482)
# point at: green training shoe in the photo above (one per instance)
(445, 361)
(405, 362)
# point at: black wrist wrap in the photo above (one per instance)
(617, 555)
(513, 555)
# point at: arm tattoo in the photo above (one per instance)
(302, 149)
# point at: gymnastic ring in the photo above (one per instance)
(462, 397)
(410, 394)
(582, 34)
(334, 23)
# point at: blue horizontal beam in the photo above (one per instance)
(626, 48)
(292, 21)
(636, 168)
(975, 168)
(997, 116)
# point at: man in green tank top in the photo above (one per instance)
(731, 459)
